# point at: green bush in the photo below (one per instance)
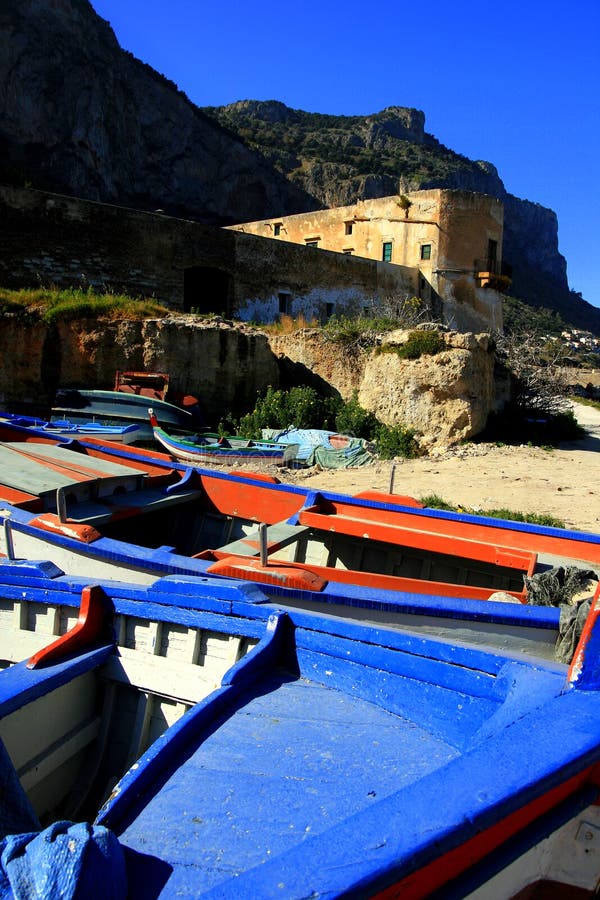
(300, 406)
(303, 407)
(515, 425)
(396, 440)
(353, 419)
(419, 343)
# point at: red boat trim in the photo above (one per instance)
(576, 667)
(258, 476)
(391, 533)
(29, 502)
(371, 579)
(86, 534)
(380, 497)
(288, 576)
(424, 881)
(89, 629)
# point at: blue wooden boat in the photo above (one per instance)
(202, 450)
(120, 407)
(317, 757)
(122, 434)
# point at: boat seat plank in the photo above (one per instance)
(279, 535)
(62, 455)
(48, 472)
(157, 675)
(144, 501)
(255, 760)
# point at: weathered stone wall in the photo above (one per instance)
(436, 245)
(53, 239)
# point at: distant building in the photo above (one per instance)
(448, 243)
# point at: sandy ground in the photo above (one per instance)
(564, 482)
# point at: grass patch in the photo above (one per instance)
(53, 304)
(289, 324)
(433, 501)
(357, 331)
(419, 343)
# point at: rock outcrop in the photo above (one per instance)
(444, 398)
(80, 116)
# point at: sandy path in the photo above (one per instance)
(564, 483)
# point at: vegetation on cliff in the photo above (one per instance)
(389, 146)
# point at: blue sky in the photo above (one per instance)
(515, 83)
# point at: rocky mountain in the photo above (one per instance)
(81, 116)
(341, 159)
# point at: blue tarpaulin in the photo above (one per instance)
(315, 446)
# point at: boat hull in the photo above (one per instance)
(313, 754)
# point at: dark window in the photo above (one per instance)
(348, 251)
(285, 304)
(329, 309)
(387, 251)
(492, 255)
(348, 227)
(277, 229)
(312, 243)
(425, 251)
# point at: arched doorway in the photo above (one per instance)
(206, 290)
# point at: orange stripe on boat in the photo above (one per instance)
(403, 536)
(424, 881)
(381, 497)
(375, 580)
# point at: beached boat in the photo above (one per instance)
(128, 403)
(122, 434)
(199, 450)
(317, 757)
(102, 510)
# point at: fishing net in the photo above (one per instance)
(560, 587)
(557, 586)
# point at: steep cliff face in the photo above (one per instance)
(445, 398)
(226, 367)
(81, 116)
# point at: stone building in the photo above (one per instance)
(449, 244)
(239, 272)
